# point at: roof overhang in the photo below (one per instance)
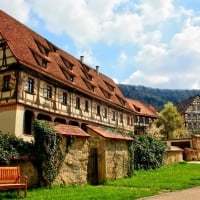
(68, 130)
(108, 134)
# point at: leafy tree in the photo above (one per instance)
(170, 119)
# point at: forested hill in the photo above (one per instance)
(155, 96)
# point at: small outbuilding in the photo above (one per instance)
(109, 156)
(75, 145)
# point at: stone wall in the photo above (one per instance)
(116, 158)
(196, 142)
(172, 157)
(28, 169)
(74, 167)
(112, 158)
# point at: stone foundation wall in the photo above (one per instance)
(74, 167)
(196, 142)
(172, 157)
(117, 159)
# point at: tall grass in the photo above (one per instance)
(143, 183)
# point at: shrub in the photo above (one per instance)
(148, 152)
(12, 147)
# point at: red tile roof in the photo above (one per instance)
(70, 130)
(23, 43)
(141, 109)
(108, 134)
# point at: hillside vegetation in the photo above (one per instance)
(155, 96)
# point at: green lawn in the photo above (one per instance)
(143, 183)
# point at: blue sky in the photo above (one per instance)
(155, 43)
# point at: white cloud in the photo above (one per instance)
(156, 11)
(20, 9)
(147, 79)
(89, 21)
(122, 58)
(162, 37)
(89, 57)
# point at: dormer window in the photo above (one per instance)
(40, 60)
(88, 84)
(137, 109)
(51, 46)
(106, 94)
(68, 74)
(67, 63)
(122, 101)
(110, 87)
(42, 49)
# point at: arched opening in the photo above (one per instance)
(73, 123)
(84, 127)
(28, 120)
(60, 120)
(44, 117)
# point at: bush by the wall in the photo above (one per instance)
(148, 152)
(12, 148)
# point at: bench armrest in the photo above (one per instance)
(22, 179)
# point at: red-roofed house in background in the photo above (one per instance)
(144, 115)
(38, 80)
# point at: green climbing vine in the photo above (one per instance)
(48, 151)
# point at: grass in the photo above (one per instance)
(143, 183)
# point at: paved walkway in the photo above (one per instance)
(188, 194)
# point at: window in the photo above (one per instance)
(49, 92)
(64, 98)
(77, 103)
(86, 106)
(98, 110)
(113, 115)
(6, 82)
(30, 85)
(68, 64)
(40, 60)
(121, 118)
(105, 112)
(128, 120)
(42, 49)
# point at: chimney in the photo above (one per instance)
(81, 59)
(97, 69)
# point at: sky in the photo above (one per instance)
(154, 43)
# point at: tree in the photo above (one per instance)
(170, 119)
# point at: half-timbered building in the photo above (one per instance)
(39, 80)
(144, 115)
(190, 112)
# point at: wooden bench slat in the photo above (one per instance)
(10, 178)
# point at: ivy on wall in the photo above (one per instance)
(48, 151)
